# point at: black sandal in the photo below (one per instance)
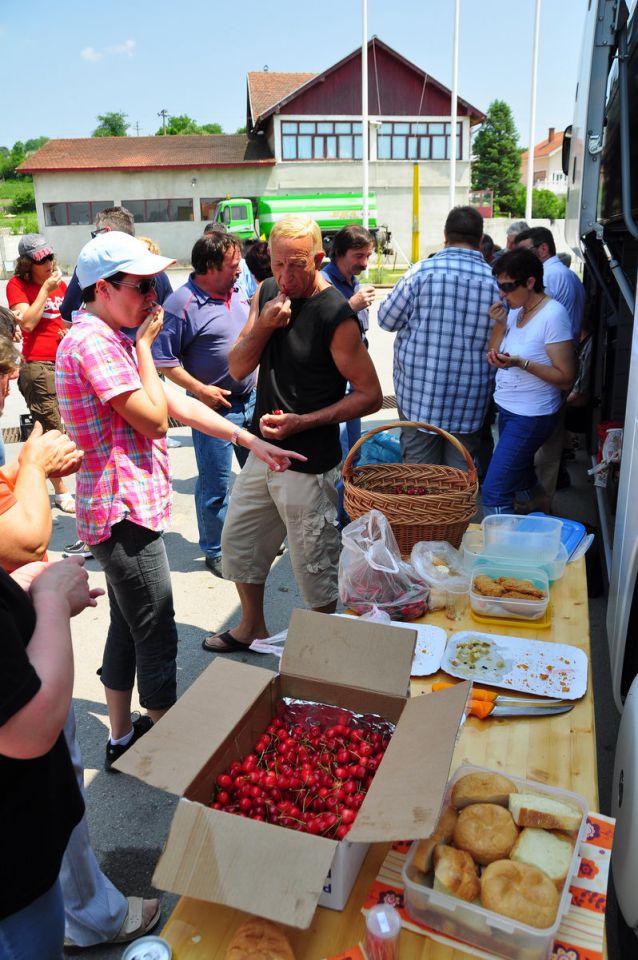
(231, 645)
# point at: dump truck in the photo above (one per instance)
(250, 218)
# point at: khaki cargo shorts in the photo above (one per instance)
(36, 383)
(265, 506)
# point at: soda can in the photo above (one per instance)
(148, 948)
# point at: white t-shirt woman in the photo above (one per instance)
(517, 389)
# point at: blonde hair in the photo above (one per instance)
(152, 246)
(294, 226)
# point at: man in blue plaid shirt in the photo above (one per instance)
(440, 313)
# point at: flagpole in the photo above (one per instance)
(532, 116)
(364, 110)
(455, 84)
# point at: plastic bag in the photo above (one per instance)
(439, 565)
(372, 573)
(380, 448)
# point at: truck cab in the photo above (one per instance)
(237, 215)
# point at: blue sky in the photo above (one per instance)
(72, 60)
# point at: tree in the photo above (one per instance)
(32, 145)
(545, 204)
(111, 125)
(23, 199)
(497, 161)
(240, 130)
(183, 125)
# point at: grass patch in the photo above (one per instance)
(386, 274)
(22, 223)
(9, 188)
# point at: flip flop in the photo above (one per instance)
(230, 644)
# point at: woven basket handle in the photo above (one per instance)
(347, 463)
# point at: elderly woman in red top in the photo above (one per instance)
(35, 293)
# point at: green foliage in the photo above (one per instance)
(497, 161)
(183, 125)
(23, 199)
(111, 125)
(11, 158)
(545, 204)
(240, 130)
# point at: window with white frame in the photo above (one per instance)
(402, 140)
(320, 140)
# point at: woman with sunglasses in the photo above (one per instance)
(35, 293)
(535, 364)
(117, 408)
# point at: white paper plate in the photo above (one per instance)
(430, 644)
(531, 666)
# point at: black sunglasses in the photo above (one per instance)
(46, 259)
(96, 233)
(143, 287)
(509, 285)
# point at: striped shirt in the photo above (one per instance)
(123, 475)
(439, 311)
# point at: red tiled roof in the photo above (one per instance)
(148, 153)
(266, 88)
(546, 147)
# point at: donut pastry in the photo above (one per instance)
(521, 892)
(481, 788)
(486, 831)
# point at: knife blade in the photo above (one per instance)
(491, 696)
(540, 710)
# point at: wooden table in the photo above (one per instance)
(558, 750)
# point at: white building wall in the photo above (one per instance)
(391, 181)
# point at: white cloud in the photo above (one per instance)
(125, 48)
(89, 53)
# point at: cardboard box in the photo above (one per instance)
(263, 868)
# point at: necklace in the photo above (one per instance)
(527, 313)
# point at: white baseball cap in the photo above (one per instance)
(116, 252)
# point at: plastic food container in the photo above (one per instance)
(506, 606)
(473, 548)
(509, 535)
(474, 924)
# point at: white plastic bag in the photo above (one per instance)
(439, 565)
(372, 573)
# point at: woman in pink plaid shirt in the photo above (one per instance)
(116, 410)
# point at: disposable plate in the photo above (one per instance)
(430, 643)
(517, 663)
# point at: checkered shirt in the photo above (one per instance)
(123, 474)
(439, 311)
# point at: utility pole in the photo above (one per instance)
(164, 115)
(137, 128)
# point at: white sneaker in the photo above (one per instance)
(77, 549)
(172, 442)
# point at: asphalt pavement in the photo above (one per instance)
(128, 820)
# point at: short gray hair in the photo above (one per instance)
(517, 227)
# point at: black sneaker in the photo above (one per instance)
(115, 750)
(77, 549)
(214, 564)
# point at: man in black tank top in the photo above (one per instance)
(305, 339)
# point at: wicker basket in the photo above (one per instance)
(442, 514)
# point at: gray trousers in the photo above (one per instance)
(417, 446)
(94, 910)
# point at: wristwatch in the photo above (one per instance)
(235, 436)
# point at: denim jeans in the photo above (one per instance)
(511, 469)
(214, 465)
(36, 930)
(142, 634)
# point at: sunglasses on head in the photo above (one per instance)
(96, 233)
(143, 287)
(46, 259)
(509, 286)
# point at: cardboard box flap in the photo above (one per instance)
(173, 752)
(404, 799)
(257, 867)
(352, 653)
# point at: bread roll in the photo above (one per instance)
(521, 892)
(481, 788)
(456, 873)
(550, 852)
(486, 831)
(422, 858)
(539, 810)
(259, 940)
